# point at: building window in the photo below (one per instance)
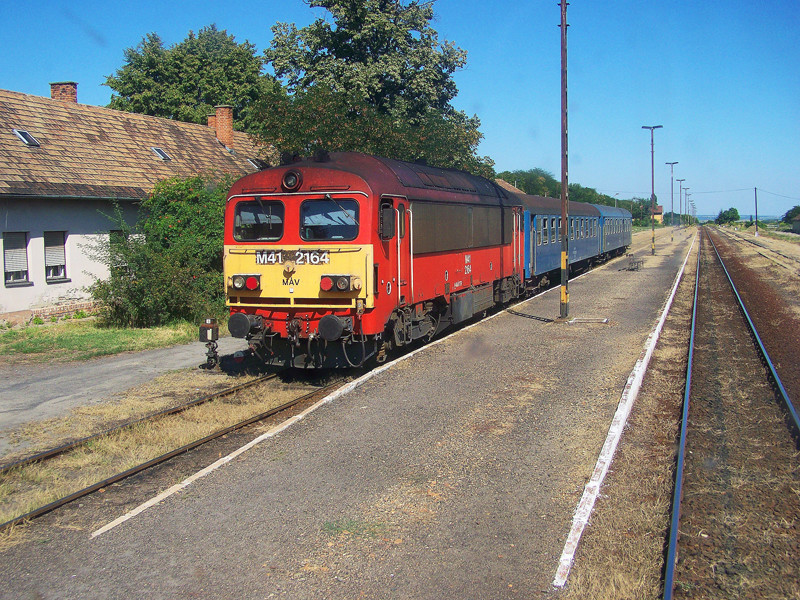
(26, 137)
(55, 255)
(15, 258)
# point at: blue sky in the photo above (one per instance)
(723, 78)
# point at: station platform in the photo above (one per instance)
(454, 473)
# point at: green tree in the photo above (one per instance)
(186, 81)
(169, 267)
(537, 182)
(791, 214)
(383, 52)
(375, 80)
(727, 216)
(320, 119)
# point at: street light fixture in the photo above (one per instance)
(671, 199)
(680, 202)
(652, 186)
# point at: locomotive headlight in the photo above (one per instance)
(342, 283)
(355, 283)
(291, 181)
(238, 282)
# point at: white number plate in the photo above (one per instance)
(300, 257)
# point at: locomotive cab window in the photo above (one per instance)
(329, 219)
(258, 221)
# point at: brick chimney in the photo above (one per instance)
(212, 121)
(224, 124)
(64, 90)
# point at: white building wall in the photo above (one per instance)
(86, 224)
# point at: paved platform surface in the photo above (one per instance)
(453, 474)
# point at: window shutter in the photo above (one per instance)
(15, 251)
(54, 254)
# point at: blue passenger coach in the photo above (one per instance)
(596, 233)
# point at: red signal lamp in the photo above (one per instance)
(326, 284)
(252, 283)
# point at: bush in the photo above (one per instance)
(170, 267)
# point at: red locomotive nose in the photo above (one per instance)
(326, 284)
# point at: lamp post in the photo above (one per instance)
(672, 199)
(652, 186)
(680, 201)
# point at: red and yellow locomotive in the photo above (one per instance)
(331, 261)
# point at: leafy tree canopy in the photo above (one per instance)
(383, 52)
(186, 81)
(172, 269)
(727, 216)
(791, 214)
(376, 79)
(321, 119)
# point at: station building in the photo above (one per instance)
(65, 166)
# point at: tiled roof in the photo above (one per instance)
(91, 151)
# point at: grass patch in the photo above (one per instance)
(81, 340)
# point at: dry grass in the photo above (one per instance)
(621, 554)
(171, 389)
(26, 488)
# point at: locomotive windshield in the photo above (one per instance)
(329, 219)
(258, 221)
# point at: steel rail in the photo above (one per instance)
(159, 459)
(44, 455)
(794, 421)
(672, 548)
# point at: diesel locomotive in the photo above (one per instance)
(331, 261)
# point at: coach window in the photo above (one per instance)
(402, 215)
(539, 232)
(553, 230)
(546, 236)
(559, 230)
(258, 221)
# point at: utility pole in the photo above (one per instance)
(652, 186)
(680, 201)
(755, 191)
(672, 199)
(564, 229)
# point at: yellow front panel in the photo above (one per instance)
(290, 275)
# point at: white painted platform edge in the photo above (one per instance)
(584, 509)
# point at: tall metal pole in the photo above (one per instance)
(672, 200)
(564, 229)
(680, 201)
(686, 204)
(652, 186)
(755, 190)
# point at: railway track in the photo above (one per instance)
(19, 473)
(791, 263)
(734, 530)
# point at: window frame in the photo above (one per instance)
(10, 254)
(55, 255)
(258, 204)
(339, 203)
